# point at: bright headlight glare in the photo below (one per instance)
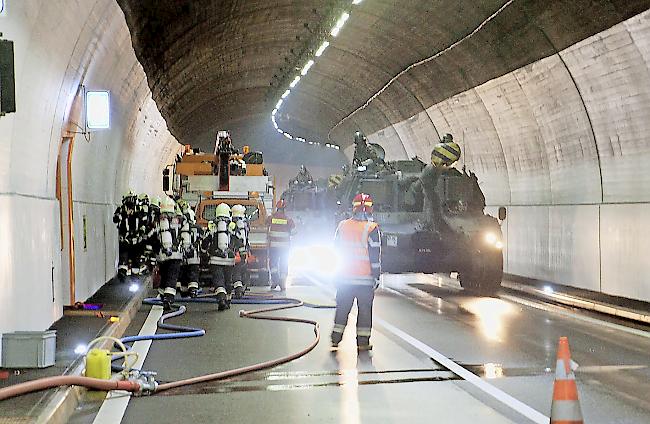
(498, 245)
(491, 238)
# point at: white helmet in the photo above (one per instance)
(168, 205)
(223, 211)
(238, 211)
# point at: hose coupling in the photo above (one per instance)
(146, 380)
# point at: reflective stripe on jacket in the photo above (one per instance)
(280, 230)
(360, 251)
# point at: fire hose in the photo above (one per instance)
(144, 385)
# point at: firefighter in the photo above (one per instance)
(281, 230)
(359, 241)
(147, 226)
(445, 153)
(169, 245)
(127, 219)
(150, 235)
(304, 177)
(241, 248)
(188, 281)
(217, 244)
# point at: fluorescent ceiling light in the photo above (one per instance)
(322, 48)
(294, 82)
(98, 110)
(289, 136)
(356, 1)
(305, 69)
(280, 131)
(277, 106)
(286, 93)
(339, 24)
(274, 112)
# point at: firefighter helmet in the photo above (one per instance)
(168, 205)
(223, 211)
(445, 154)
(212, 226)
(362, 203)
(238, 211)
(143, 197)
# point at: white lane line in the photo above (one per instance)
(464, 373)
(467, 375)
(573, 315)
(114, 407)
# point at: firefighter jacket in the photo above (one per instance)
(217, 243)
(281, 230)
(129, 224)
(170, 243)
(359, 242)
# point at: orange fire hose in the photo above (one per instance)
(134, 386)
(67, 380)
(254, 314)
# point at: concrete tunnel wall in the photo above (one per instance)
(58, 46)
(563, 142)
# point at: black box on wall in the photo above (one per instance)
(7, 79)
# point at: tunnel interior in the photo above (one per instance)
(548, 100)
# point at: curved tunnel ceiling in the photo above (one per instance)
(212, 64)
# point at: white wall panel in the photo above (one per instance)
(528, 241)
(574, 246)
(626, 250)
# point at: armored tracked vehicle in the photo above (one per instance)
(431, 217)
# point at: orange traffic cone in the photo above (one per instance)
(565, 408)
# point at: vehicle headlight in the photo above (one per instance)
(493, 240)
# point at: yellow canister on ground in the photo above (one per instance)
(98, 364)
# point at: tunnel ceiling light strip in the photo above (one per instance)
(423, 61)
(307, 66)
(322, 48)
(339, 24)
(295, 82)
(335, 32)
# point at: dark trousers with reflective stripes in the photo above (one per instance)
(169, 271)
(222, 276)
(345, 295)
(189, 274)
(240, 273)
(131, 255)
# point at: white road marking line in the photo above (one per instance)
(558, 310)
(114, 407)
(464, 373)
(467, 375)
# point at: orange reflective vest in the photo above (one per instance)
(280, 230)
(352, 237)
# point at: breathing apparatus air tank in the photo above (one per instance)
(222, 223)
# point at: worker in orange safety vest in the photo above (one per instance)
(281, 229)
(359, 242)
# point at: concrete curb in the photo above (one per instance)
(613, 310)
(62, 405)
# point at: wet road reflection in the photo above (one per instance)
(492, 315)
